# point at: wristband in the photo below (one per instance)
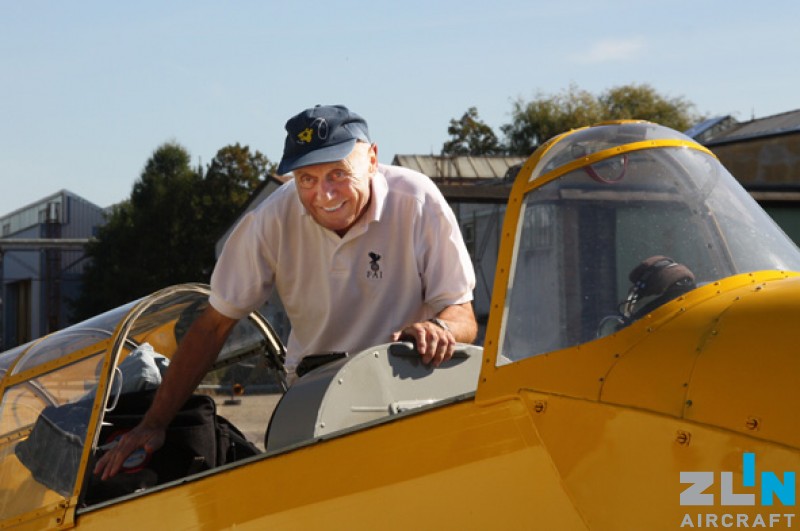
(441, 324)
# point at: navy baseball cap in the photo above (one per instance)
(325, 133)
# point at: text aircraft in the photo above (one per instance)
(640, 370)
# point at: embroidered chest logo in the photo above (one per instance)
(374, 268)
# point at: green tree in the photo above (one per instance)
(471, 136)
(546, 116)
(644, 103)
(230, 180)
(165, 232)
(536, 121)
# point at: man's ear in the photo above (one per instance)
(373, 158)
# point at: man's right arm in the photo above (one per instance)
(195, 355)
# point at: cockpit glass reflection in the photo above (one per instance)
(609, 242)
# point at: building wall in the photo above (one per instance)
(21, 279)
(773, 160)
(36, 284)
(768, 163)
(481, 225)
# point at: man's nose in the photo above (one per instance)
(326, 189)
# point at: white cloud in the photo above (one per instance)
(611, 50)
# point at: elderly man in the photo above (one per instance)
(359, 252)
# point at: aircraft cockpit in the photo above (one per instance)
(51, 388)
(105, 371)
(617, 220)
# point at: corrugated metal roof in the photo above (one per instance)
(708, 130)
(460, 167)
(30, 215)
(704, 126)
(787, 122)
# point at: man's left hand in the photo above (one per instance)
(435, 343)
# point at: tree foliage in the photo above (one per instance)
(232, 176)
(644, 103)
(471, 136)
(534, 122)
(166, 231)
(546, 116)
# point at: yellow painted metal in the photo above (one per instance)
(523, 185)
(51, 506)
(656, 370)
(621, 466)
(747, 376)
(429, 471)
(592, 437)
(502, 273)
(57, 514)
(648, 364)
(64, 361)
(691, 387)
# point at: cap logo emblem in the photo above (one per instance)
(305, 135)
(320, 125)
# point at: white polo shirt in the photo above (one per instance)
(402, 262)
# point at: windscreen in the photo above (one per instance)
(43, 425)
(666, 219)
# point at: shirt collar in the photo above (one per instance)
(380, 190)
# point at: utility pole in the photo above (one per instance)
(52, 269)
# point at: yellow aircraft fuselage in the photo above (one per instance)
(639, 371)
(564, 442)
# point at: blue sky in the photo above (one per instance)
(91, 88)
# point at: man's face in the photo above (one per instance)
(336, 194)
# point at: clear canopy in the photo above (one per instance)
(43, 443)
(619, 219)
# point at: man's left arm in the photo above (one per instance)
(460, 319)
(436, 338)
(448, 280)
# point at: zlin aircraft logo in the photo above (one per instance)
(766, 484)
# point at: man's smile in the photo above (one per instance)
(333, 208)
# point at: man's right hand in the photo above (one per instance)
(142, 436)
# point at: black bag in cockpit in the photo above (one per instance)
(196, 440)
